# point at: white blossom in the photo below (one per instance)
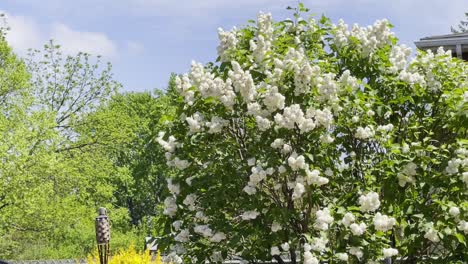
(173, 188)
(195, 122)
(216, 125)
(189, 201)
(263, 123)
(285, 246)
(364, 132)
(348, 218)
(249, 215)
(299, 190)
(227, 41)
(389, 252)
(323, 219)
(454, 211)
(182, 236)
(275, 227)
(203, 230)
(369, 202)
(383, 222)
(170, 206)
(273, 100)
(348, 80)
(452, 166)
(398, 58)
(218, 237)
(358, 229)
(296, 162)
(169, 145)
(407, 174)
(242, 82)
(275, 251)
(342, 256)
(177, 224)
(356, 252)
(432, 234)
(277, 143)
(319, 244)
(463, 226)
(313, 177)
(309, 258)
(180, 164)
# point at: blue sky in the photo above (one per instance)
(146, 40)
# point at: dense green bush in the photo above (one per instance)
(316, 142)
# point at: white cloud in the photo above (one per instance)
(73, 41)
(25, 33)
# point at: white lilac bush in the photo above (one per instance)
(314, 142)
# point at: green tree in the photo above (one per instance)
(56, 170)
(310, 141)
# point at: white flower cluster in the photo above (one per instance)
(195, 122)
(356, 251)
(369, 38)
(313, 177)
(297, 162)
(203, 230)
(342, 256)
(189, 201)
(294, 116)
(216, 125)
(275, 251)
(454, 211)
(431, 233)
(463, 226)
(412, 77)
(347, 80)
(207, 84)
(263, 124)
(298, 191)
(399, 58)
(383, 222)
(184, 88)
(169, 145)
(358, 229)
(262, 46)
(258, 174)
(369, 202)
(323, 219)
(328, 88)
(249, 215)
(319, 244)
(365, 132)
(389, 252)
(218, 237)
(170, 206)
(305, 75)
(348, 218)
(453, 165)
(309, 258)
(273, 100)
(242, 82)
(275, 227)
(407, 174)
(182, 236)
(227, 42)
(174, 189)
